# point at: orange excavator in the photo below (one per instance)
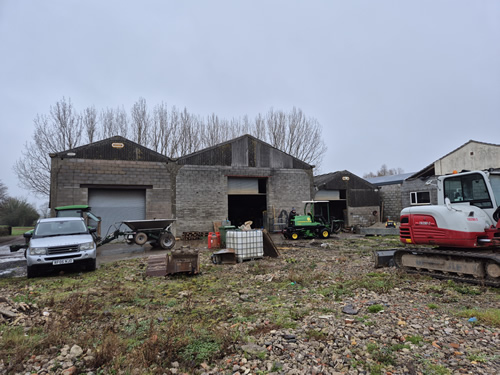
(459, 238)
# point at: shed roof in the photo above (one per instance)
(113, 148)
(245, 150)
(337, 180)
(389, 180)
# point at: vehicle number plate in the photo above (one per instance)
(62, 261)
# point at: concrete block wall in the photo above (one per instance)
(363, 216)
(201, 193)
(391, 197)
(69, 174)
(201, 198)
(288, 188)
(417, 185)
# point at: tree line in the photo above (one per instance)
(15, 212)
(167, 130)
(384, 171)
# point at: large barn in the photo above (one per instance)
(244, 179)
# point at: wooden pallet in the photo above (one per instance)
(193, 236)
(157, 265)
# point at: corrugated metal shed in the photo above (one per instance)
(360, 192)
(245, 151)
(114, 148)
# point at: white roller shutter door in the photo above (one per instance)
(327, 195)
(242, 186)
(114, 206)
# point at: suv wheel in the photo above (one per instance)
(91, 265)
(31, 271)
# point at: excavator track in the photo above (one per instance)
(477, 267)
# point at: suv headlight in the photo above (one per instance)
(38, 250)
(87, 246)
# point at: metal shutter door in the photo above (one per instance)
(327, 195)
(114, 206)
(242, 186)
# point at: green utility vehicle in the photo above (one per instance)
(77, 211)
(81, 210)
(311, 225)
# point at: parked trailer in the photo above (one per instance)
(156, 232)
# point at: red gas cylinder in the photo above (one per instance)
(213, 240)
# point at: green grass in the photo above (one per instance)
(19, 231)
(489, 317)
(375, 308)
(132, 321)
(415, 340)
(480, 358)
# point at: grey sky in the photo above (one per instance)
(395, 82)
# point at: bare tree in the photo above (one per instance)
(171, 132)
(172, 137)
(214, 131)
(259, 128)
(108, 123)
(89, 121)
(121, 122)
(384, 171)
(3, 192)
(59, 131)
(191, 129)
(295, 134)
(140, 122)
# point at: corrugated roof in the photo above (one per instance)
(389, 180)
(326, 181)
(203, 154)
(113, 148)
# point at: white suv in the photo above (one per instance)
(60, 241)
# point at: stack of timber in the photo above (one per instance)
(193, 236)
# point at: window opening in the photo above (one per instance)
(420, 197)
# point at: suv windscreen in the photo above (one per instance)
(60, 228)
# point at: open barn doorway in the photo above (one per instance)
(247, 200)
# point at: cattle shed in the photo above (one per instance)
(244, 179)
(241, 180)
(349, 197)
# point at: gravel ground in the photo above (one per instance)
(345, 317)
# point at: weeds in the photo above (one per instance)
(486, 316)
(479, 358)
(130, 322)
(316, 335)
(16, 345)
(375, 308)
(415, 340)
(435, 369)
